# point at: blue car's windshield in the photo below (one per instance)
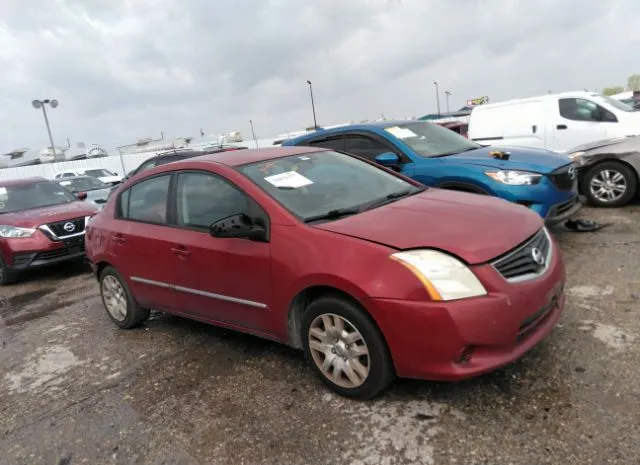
(430, 140)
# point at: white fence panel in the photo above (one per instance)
(112, 163)
(49, 170)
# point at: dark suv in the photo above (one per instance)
(173, 155)
(168, 157)
(41, 223)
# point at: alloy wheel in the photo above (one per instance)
(608, 185)
(339, 350)
(115, 298)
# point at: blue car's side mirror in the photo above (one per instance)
(388, 159)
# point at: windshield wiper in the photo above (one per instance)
(334, 214)
(395, 196)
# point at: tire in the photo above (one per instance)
(615, 170)
(377, 361)
(110, 282)
(6, 276)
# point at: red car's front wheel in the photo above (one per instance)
(345, 348)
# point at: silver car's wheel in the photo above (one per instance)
(115, 298)
(608, 185)
(339, 350)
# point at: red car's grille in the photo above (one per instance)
(527, 260)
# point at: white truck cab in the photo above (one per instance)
(556, 122)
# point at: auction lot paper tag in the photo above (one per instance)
(401, 133)
(288, 180)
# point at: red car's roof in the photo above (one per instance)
(21, 182)
(243, 157)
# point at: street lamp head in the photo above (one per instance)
(53, 103)
(308, 82)
(37, 104)
(435, 83)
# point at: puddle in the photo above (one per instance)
(37, 312)
(610, 335)
(46, 366)
(17, 301)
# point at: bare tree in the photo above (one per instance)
(633, 82)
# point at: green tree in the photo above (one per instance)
(612, 90)
(633, 82)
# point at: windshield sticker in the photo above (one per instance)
(304, 158)
(3, 191)
(288, 180)
(401, 133)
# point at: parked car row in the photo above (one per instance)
(599, 133)
(104, 175)
(383, 250)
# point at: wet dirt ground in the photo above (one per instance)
(76, 390)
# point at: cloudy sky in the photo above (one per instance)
(127, 69)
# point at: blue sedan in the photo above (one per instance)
(543, 181)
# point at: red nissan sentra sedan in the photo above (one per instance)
(371, 273)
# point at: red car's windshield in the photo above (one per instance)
(34, 195)
(314, 184)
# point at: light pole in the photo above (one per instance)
(435, 83)
(313, 107)
(253, 133)
(37, 104)
(447, 93)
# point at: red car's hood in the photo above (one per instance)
(37, 216)
(476, 228)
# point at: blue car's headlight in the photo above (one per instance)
(515, 178)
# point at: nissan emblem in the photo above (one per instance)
(537, 256)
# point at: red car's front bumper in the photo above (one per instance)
(460, 339)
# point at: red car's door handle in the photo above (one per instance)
(119, 238)
(180, 252)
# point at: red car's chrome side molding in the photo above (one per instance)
(188, 290)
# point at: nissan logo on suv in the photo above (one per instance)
(69, 227)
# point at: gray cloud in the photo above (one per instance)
(128, 69)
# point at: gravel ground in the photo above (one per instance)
(74, 389)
